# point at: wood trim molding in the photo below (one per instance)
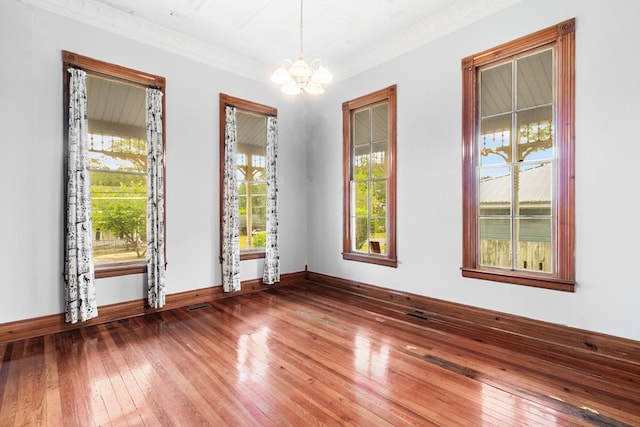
(562, 278)
(389, 94)
(120, 269)
(532, 336)
(112, 70)
(246, 105)
(51, 324)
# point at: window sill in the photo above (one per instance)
(252, 254)
(371, 259)
(532, 279)
(120, 269)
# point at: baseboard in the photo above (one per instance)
(44, 325)
(500, 328)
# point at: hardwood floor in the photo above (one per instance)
(298, 355)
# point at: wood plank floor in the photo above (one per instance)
(302, 355)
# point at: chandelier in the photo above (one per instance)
(298, 76)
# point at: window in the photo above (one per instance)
(116, 119)
(518, 161)
(369, 169)
(251, 155)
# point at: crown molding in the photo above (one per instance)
(107, 18)
(425, 29)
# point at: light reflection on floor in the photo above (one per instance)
(370, 358)
(253, 354)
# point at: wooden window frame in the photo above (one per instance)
(562, 277)
(250, 107)
(128, 75)
(389, 95)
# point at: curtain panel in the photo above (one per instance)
(272, 251)
(155, 201)
(230, 216)
(80, 293)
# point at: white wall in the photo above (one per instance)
(31, 218)
(429, 169)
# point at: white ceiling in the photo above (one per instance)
(252, 37)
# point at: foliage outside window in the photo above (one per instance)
(118, 169)
(251, 178)
(251, 156)
(116, 118)
(518, 161)
(369, 135)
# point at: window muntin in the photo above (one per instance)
(369, 178)
(251, 146)
(103, 121)
(518, 161)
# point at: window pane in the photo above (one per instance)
(533, 186)
(535, 134)
(496, 90)
(118, 165)
(258, 174)
(361, 162)
(379, 163)
(119, 204)
(258, 199)
(251, 159)
(380, 115)
(360, 190)
(378, 240)
(495, 140)
(535, 80)
(360, 227)
(362, 128)
(378, 199)
(495, 242)
(242, 204)
(534, 244)
(494, 191)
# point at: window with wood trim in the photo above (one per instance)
(369, 171)
(116, 119)
(251, 156)
(518, 161)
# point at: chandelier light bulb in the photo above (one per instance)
(300, 69)
(281, 76)
(314, 88)
(291, 88)
(322, 76)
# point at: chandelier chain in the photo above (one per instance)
(301, 48)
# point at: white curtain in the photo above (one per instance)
(272, 252)
(80, 292)
(155, 201)
(230, 219)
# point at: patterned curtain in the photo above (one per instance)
(272, 251)
(230, 219)
(155, 200)
(80, 292)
